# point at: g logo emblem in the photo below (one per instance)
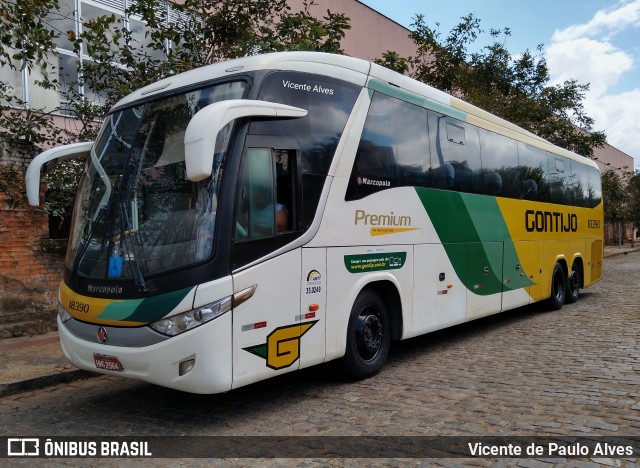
(283, 345)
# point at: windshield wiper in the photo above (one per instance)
(126, 234)
(86, 241)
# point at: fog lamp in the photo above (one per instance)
(186, 366)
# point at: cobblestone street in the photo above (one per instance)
(525, 372)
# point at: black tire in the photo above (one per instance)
(573, 284)
(368, 336)
(558, 287)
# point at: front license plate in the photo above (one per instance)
(111, 363)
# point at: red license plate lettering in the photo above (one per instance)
(111, 363)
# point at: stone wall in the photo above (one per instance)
(30, 263)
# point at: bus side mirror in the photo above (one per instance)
(201, 133)
(32, 177)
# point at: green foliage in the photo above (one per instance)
(62, 179)
(516, 89)
(22, 125)
(24, 36)
(615, 198)
(26, 43)
(633, 191)
(200, 33)
(393, 61)
(204, 32)
(12, 186)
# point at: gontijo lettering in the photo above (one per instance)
(548, 221)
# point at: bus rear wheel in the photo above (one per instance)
(558, 287)
(368, 336)
(573, 284)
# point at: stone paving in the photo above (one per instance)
(525, 372)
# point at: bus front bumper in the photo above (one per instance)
(209, 346)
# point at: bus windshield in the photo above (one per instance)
(136, 213)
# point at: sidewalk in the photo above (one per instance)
(612, 251)
(31, 363)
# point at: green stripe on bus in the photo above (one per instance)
(120, 310)
(481, 227)
(413, 98)
(146, 310)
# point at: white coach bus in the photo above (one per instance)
(270, 213)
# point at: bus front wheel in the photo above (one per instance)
(573, 285)
(368, 336)
(558, 287)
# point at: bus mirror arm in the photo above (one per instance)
(201, 133)
(32, 177)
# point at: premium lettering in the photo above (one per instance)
(550, 221)
(390, 219)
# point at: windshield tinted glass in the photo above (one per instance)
(136, 214)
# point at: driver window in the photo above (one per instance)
(265, 195)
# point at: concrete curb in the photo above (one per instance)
(37, 383)
(620, 252)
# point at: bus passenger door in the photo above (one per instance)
(484, 279)
(266, 312)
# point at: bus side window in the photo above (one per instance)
(393, 150)
(579, 184)
(265, 197)
(532, 170)
(594, 187)
(455, 154)
(499, 165)
(559, 179)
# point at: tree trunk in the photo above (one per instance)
(619, 234)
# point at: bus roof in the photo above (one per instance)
(353, 70)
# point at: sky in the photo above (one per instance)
(593, 41)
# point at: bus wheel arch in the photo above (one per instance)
(575, 281)
(391, 297)
(375, 320)
(558, 285)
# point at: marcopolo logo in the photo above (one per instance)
(104, 289)
(373, 182)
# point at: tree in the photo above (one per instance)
(196, 33)
(516, 89)
(615, 200)
(25, 43)
(633, 190)
(200, 33)
(393, 61)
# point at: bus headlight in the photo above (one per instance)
(180, 323)
(64, 315)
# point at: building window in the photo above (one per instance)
(65, 62)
